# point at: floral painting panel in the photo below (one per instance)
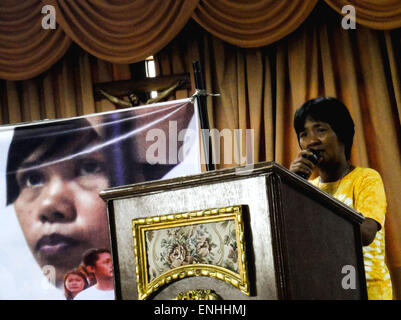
(213, 243)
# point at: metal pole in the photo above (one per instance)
(204, 120)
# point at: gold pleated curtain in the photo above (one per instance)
(26, 49)
(265, 58)
(122, 32)
(252, 23)
(65, 90)
(375, 14)
(128, 31)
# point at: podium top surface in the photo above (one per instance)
(225, 175)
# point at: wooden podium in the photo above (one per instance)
(256, 232)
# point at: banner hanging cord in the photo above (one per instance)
(202, 92)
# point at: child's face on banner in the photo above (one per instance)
(74, 283)
(59, 208)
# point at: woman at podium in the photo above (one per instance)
(325, 132)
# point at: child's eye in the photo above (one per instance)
(89, 166)
(32, 179)
(302, 134)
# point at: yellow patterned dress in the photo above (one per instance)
(363, 190)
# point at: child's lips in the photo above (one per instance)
(54, 244)
(74, 288)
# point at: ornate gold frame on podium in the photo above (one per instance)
(188, 251)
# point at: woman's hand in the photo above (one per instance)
(303, 165)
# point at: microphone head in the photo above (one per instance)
(316, 152)
(315, 157)
(312, 158)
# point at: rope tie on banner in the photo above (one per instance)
(202, 92)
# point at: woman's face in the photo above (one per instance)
(319, 136)
(59, 208)
(74, 283)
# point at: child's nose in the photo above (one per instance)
(57, 204)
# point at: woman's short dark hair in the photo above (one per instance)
(331, 111)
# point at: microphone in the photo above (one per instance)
(314, 158)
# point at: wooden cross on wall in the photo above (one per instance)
(138, 91)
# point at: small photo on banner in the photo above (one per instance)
(51, 173)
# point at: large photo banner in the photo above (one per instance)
(51, 173)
